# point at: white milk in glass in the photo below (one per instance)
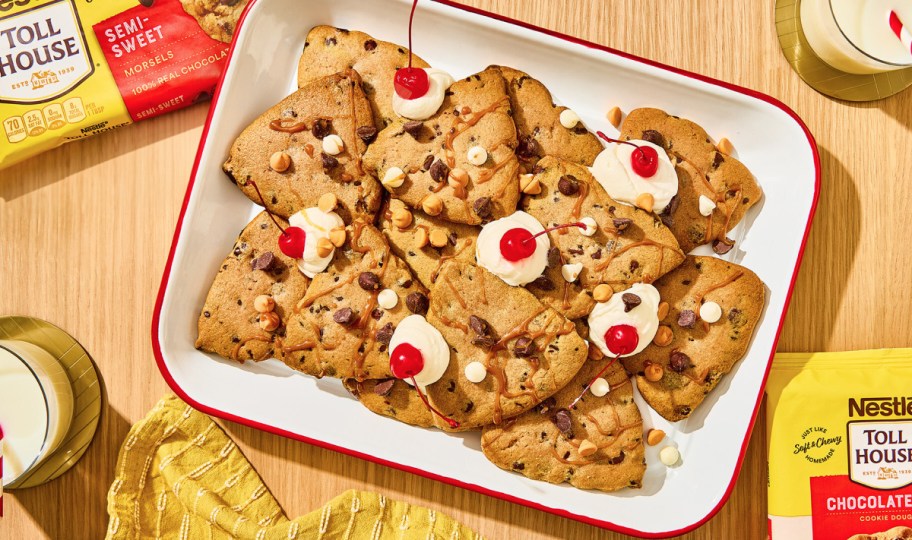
(36, 406)
(855, 35)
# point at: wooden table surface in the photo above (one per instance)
(85, 231)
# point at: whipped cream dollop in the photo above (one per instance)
(426, 106)
(488, 256)
(417, 332)
(613, 170)
(642, 317)
(316, 224)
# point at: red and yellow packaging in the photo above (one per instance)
(73, 68)
(840, 445)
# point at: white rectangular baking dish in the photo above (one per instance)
(771, 140)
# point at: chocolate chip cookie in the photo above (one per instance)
(896, 533)
(702, 170)
(218, 18)
(433, 160)
(307, 145)
(329, 50)
(394, 398)
(596, 445)
(713, 308)
(230, 324)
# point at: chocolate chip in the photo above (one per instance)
(237, 252)
(413, 128)
(542, 283)
(717, 160)
(406, 284)
(527, 148)
(321, 128)
(451, 238)
(329, 162)
(524, 347)
(439, 171)
(734, 315)
(653, 136)
(630, 301)
(330, 41)
(554, 257)
(384, 334)
(568, 185)
(207, 314)
(344, 316)
(385, 387)
(538, 169)
(517, 466)
(684, 410)
(479, 325)
(428, 161)
(633, 266)
(723, 246)
(263, 262)
(377, 314)
(545, 406)
(484, 342)
(617, 460)
(563, 422)
(678, 362)
(621, 224)
(483, 207)
(369, 281)
(370, 45)
(368, 134)
(418, 303)
(597, 255)
(687, 319)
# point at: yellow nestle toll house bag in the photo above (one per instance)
(840, 445)
(74, 68)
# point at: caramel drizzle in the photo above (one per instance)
(295, 127)
(235, 352)
(487, 174)
(727, 281)
(718, 197)
(452, 288)
(354, 133)
(614, 435)
(479, 273)
(565, 304)
(613, 254)
(306, 302)
(461, 125)
(444, 258)
(451, 323)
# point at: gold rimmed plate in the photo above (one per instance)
(86, 393)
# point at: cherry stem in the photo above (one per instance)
(599, 374)
(453, 423)
(260, 195)
(411, 18)
(609, 139)
(556, 227)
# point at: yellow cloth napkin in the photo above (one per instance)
(179, 476)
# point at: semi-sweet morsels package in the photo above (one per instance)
(73, 68)
(840, 446)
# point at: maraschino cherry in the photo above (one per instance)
(411, 82)
(644, 160)
(406, 361)
(292, 239)
(518, 243)
(622, 339)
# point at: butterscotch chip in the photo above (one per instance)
(327, 202)
(458, 177)
(595, 353)
(402, 218)
(337, 236)
(614, 116)
(529, 185)
(438, 238)
(269, 321)
(663, 311)
(663, 336)
(654, 437)
(279, 161)
(432, 205)
(645, 201)
(421, 237)
(263, 303)
(725, 146)
(602, 293)
(324, 247)
(654, 372)
(587, 448)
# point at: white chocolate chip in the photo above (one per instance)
(333, 145)
(477, 156)
(476, 372)
(706, 205)
(569, 119)
(599, 387)
(571, 271)
(591, 226)
(710, 312)
(394, 177)
(669, 456)
(387, 299)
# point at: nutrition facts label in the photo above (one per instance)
(39, 120)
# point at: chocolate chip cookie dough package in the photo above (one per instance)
(74, 68)
(840, 445)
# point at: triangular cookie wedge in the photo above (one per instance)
(394, 398)
(329, 50)
(538, 124)
(291, 150)
(702, 170)
(529, 351)
(229, 324)
(596, 445)
(434, 156)
(628, 246)
(690, 354)
(339, 329)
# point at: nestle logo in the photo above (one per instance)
(880, 406)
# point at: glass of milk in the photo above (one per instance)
(36, 406)
(860, 36)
